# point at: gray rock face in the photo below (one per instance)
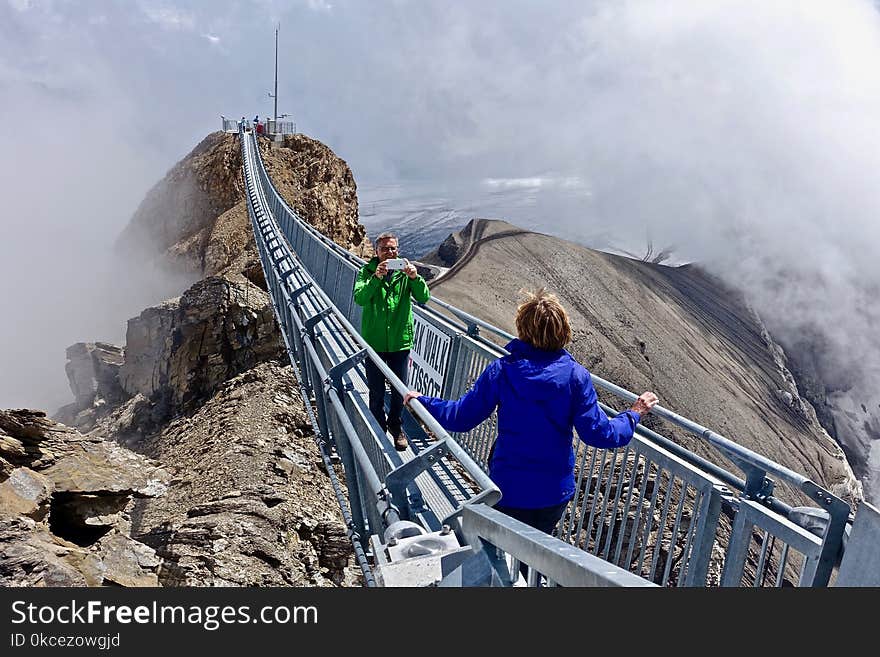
(128, 423)
(31, 556)
(99, 362)
(319, 185)
(250, 503)
(127, 562)
(452, 248)
(178, 353)
(64, 505)
(181, 207)
(25, 493)
(148, 345)
(29, 439)
(80, 373)
(93, 373)
(849, 412)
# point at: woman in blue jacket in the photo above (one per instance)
(541, 393)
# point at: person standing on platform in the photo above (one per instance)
(387, 326)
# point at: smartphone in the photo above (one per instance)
(395, 263)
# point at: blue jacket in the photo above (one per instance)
(540, 396)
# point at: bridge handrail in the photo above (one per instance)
(347, 510)
(560, 562)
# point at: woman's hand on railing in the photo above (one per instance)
(644, 404)
(412, 394)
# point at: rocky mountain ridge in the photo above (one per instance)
(676, 330)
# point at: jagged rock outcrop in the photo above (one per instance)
(196, 217)
(675, 330)
(854, 423)
(251, 502)
(26, 493)
(65, 501)
(179, 352)
(176, 355)
(455, 246)
(93, 373)
(451, 249)
(319, 186)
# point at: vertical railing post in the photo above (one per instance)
(704, 538)
(737, 551)
(352, 478)
(832, 538)
(452, 369)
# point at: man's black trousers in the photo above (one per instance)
(398, 362)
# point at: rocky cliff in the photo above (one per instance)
(176, 354)
(189, 458)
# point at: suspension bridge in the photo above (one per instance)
(649, 514)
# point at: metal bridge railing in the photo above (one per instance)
(655, 508)
(497, 535)
(800, 551)
(646, 510)
(756, 486)
(270, 126)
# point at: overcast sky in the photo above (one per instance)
(746, 133)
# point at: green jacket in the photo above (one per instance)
(387, 319)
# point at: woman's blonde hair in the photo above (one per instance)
(542, 321)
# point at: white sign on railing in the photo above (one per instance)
(429, 358)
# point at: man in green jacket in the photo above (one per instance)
(387, 326)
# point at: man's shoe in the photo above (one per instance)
(400, 442)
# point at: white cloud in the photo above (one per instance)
(169, 18)
(319, 5)
(573, 183)
(20, 5)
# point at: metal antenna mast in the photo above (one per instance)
(276, 76)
